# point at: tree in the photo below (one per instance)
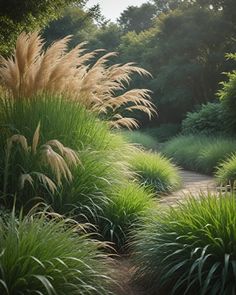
(184, 51)
(106, 37)
(16, 16)
(74, 21)
(136, 18)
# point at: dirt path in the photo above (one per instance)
(193, 183)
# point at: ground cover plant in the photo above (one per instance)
(199, 153)
(155, 171)
(49, 255)
(189, 249)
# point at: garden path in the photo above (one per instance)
(193, 183)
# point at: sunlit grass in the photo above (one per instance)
(156, 171)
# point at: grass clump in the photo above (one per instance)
(226, 171)
(101, 154)
(189, 249)
(141, 138)
(128, 204)
(50, 256)
(156, 171)
(199, 153)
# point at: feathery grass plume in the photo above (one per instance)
(59, 161)
(31, 71)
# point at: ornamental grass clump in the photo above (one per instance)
(41, 167)
(102, 154)
(156, 171)
(44, 254)
(128, 204)
(226, 171)
(190, 248)
(101, 88)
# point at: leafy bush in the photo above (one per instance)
(128, 204)
(156, 171)
(189, 249)
(199, 153)
(141, 138)
(226, 171)
(209, 119)
(50, 257)
(164, 132)
(227, 96)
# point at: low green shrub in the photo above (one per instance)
(140, 137)
(128, 204)
(190, 248)
(198, 152)
(49, 256)
(209, 119)
(155, 170)
(227, 96)
(226, 171)
(163, 132)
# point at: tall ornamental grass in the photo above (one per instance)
(99, 87)
(48, 255)
(199, 153)
(155, 171)
(190, 248)
(101, 154)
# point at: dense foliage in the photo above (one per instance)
(155, 171)
(199, 153)
(129, 203)
(16, 16)
(227, 96)
(187, 249)
(182, 43)
(47, 255)
(226, 172)
(209, 119)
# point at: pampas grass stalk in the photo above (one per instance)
(32, 71)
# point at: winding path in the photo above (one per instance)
(193, 183)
